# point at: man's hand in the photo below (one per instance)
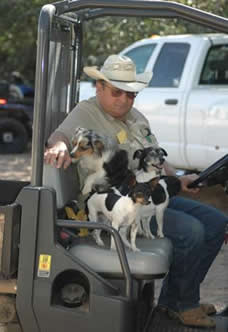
(58, 155)
(186, 180)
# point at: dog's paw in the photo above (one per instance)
(160, 235)
(149, 235)
(86, 190)
(113, 247)
(135, 249)
(100, 243)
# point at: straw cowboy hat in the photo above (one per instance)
(120, 71)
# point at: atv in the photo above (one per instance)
(54, 278)
(16, 117)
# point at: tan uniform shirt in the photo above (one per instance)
(132, 134)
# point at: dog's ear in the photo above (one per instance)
(164, 152)
(132, 181)
(138, 154)
(76, 135)
(153, 183)
(78, 131)
(98, 146)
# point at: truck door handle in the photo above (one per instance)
(171, 101)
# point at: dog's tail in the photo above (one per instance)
(127, 184)
(117, 168)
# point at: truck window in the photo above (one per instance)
(140, 55)
(169, 65)
(215, 69)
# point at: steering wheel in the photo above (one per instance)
(217, 173)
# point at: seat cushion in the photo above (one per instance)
(153, 261)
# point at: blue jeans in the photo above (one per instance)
(197, 234)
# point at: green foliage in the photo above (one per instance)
(18, 32)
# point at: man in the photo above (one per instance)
(196, 231)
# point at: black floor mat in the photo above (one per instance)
(160, 322)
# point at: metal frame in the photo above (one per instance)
(39, 235)
(119, 247)
(86, 10)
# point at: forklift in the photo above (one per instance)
(53, 277)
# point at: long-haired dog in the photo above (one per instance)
(151, 162)
(100, 154)
(120, 211)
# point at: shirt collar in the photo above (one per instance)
(129, 116)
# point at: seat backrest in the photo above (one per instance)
(65, 183)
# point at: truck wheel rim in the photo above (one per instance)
(7, 137)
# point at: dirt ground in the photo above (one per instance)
(15, 166)
(214, 288)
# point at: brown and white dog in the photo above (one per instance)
(109, 168)
(120, 212)
(101, 156)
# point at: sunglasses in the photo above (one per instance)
(118, 93)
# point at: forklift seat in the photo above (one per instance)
(152, 262)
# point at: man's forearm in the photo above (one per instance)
(57, 136)
(169, 170)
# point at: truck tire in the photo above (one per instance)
(7, 309)
(13, 136)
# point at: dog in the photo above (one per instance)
(151, 163)
(101, 156)
(120, 211)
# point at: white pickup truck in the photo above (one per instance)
(186, 101)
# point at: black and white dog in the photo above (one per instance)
(108, 165)
(151, 162)
(120, 211)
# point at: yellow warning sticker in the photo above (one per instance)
(44, 266)
(122, 136)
